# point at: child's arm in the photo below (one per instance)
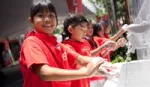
(106, 65)
(84, 60)
(97, 50)
(120, 43)
(111, 45)
(117, 35)
(122, 30)
(48, 73)
(105, 52)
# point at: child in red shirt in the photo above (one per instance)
(107, 29)
(75, 27)
(99, 38)
(89, 31)
(45, 62)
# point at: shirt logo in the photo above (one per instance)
(64, 56)
(58, 47)
(86, 51)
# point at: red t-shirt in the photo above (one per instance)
(82, 48)
(106, 36)
(94, 46)
(99, 41)
(34, 51)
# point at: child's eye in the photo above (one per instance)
(51, 15)
(39, 15)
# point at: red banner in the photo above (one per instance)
(75, 6)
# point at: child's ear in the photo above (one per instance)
(30, 20)
(70, 29)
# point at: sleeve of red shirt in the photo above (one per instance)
(72, 55)
(102, 41)
(33, 52)
(71, 52)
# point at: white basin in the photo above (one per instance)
(133, 74)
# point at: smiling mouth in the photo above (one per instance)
(47, 26)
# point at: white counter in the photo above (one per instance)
(132, 74)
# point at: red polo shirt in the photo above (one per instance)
(94, 43)
(106, 36)
(99, 41)
(34, 51)
(82, 48)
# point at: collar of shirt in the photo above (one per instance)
(43, 36)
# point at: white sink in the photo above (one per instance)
(132, 74)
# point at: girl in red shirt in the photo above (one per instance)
(75, 27)
(99, 38)
(45, 62)
(89, 31)
(107, 29)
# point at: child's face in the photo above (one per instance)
(89, 30)
(45, 22)
(79, 31)
(101, 32)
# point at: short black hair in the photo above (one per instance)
(72, 20)
(40, 6)
(96, 29)
(104, 23)
(89, 21)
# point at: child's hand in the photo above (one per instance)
(121, 42)
(110, 45)
(124, 27)
(93, 66)
(109, 72)
(108, 66)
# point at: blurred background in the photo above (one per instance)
(14, 25)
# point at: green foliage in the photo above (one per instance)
(120, 8)
(118, 59)
(121, 13)
(100, 12)
(58, 30)
(120, 55)
(100, 7)
(121, 52)
(133, 56)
